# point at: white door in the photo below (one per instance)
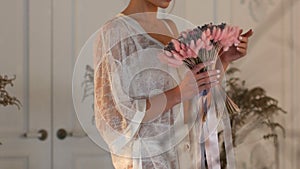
(25, 51)
(39, 42)
(73, 23)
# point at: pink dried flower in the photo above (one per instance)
(206, 41)
(218, 34)
(214, 31)
(191, 53)
(207, 37)
(229, 37)
(184, 34)
(177, 56)
(176, 44)
(183, 46)
(208, 33)
(195, 47)
(164, 58)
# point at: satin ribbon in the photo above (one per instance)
(208, 131)
(137, 162)
(228, 141)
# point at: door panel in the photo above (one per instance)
(73, 22)
(25, 51)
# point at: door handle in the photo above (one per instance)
(62, 134)
(41, 135)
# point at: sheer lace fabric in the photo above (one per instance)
(127, 72)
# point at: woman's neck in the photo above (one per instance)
(140, 6)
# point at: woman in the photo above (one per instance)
(143, 106)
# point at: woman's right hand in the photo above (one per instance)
(194, 82)
(191, 85)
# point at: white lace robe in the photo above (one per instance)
(127, 71)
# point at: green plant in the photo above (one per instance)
(256, 108)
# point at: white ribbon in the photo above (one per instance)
(228, 141)
(208, 131)
(212, 142)
(137, 162)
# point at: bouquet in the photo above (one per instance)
(202, 44)
(199, 45)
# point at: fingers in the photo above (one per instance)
(208, 80)
(248, 34)
(208, 86)
(243, 51)
(177, 55)
(200, 66)
(241, 31)
(244, 37)
(242, 48)
(169, 60)
(207, 74)
(242, 45)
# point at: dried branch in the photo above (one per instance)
(5, 98)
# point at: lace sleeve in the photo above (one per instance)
(118, 114)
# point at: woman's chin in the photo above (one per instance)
(164, 5)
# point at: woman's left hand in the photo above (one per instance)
(237, 51)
